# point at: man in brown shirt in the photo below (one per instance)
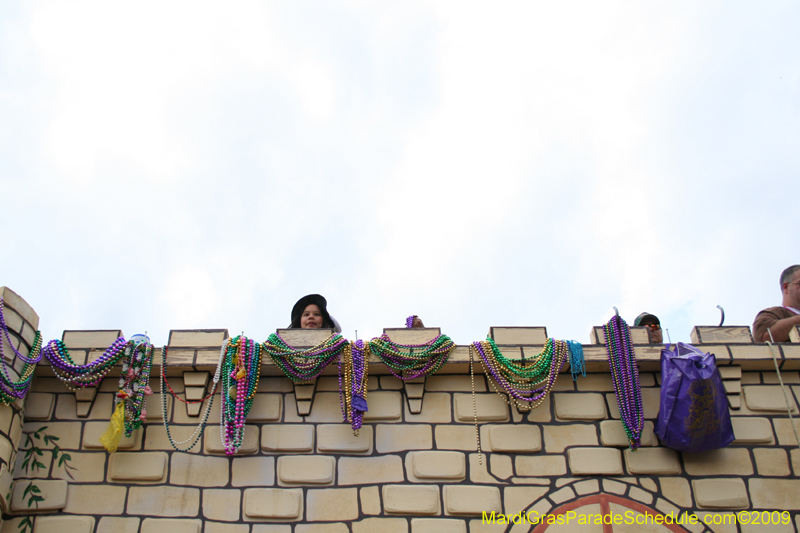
(781, 320)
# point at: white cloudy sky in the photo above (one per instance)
(168, 165)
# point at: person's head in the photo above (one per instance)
(311, 312)
(653, 325)
(790, 286)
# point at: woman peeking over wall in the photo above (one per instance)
(311, 312)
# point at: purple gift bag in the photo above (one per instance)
(693, 415)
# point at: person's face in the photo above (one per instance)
(656, 335)
(791, 291)
(312, 317)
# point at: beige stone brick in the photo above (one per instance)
(519, 335)
(383, 406)
(454, 383)
(311, 469)
(155, 437)
(751, 378)
(612, 433)
(648, 483)
(170, 525)
(596, 383)
(39, 406)
(102, 407)
(95, 499)
(491, 408)
(722, 462)
(253, 471)
(411, 499)
(435, 409)
(198, 471)
(381, 525)
(595, 461)
(783, 430)
(727, 521)
(771, 462)
(90, 339)
(326, 407)
(221, 527)
(542, 413)
(728, 493)
(6, 449)
(14, 301)
(366, 470)
(93, 430)
(426, 466)
(560, 496)
(676, 490)
(339, 438)
(137, 466)
(183, 414)
(396, 438)
(752, 430)
(614, 487)
(438, 525)
(197, 338)
(477, 526)
(558, 437)
(332, 505)
(370, 500)
(732, 387)
(501, 466)
(590, 486)
(658, 461)
(455, 438)
(273, 504)
(730, 372)
(163, 501)
(222, 504)
(542, 465)
(391, 383)
(518, 499)
(6, 415)
(479, 469)
(321, 528)
(65, 524)
(287, 438)
(768, 398)
(68, 433)
(771, 378)
(118, 524)
(580, 406)
(471, 500)
(212, 442)
(281, 384)
(514, 438)
(85, 468)
(54, 493)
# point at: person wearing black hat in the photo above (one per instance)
(654, 327)
(311, 312)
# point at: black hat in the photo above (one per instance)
(652, 319)
(305, 301)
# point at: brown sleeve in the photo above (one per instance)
(765, 319)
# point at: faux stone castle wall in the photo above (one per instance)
(409, 472)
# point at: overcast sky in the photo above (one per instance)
(168, 165)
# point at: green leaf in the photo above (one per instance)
(27, 490)
(35, 489)
(66, 456)
(53, 438)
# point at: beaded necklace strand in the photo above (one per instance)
(353, 391)
(241, 367)
(88, 375)
(198, 432)
(577, 365)
(410, 361)
(625, 375)
(11, 389)
(302, 366)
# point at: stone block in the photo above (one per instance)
(326, 408)
(751, 378)
(65, 524)
(558, 437)
(267, 408)
(156, 437)
(6, 449)
(562, 495)
(542, 465)
(542, 413)
(197, 338)
(732, 387)
(771, 462)
(253, 471)
(196, 379)
(767, 398)
(381, 525)
(332, 505)
(580, 406)
(198, 470)
(436, 465)
(194, 394)
(471, 500)
(396, 438)
(721, 334)
(515, 335)
(589, 486)
(391, 383)
(95, 499)
(518, 499)
(366, 470)
(436, 408)
(321, 528)
(596, 383)
(730, 372)
(222, 504)
(383, 406)
(653, 461)
(138, 466)
(155, 409)
(727, 493)
(415, 390)
(752, 430)
(723, 462)
(734, 401)
(162, 501)
(212, 441)
(454, 383)
(170, 525)
(595, 461)
(84, 468)
(273, 504)
(771, 378)
(287, 438)
(306, 470)
(54, 493)
(339, 438)
(676, 490)
(513, 438)
(455, 438)
(438, 525)
(783, 494)
(490, 408)
(783, 430)
(612, 433)
(370, 500)
(411, 499)
(118, 524)
(39, 406)
(12, 300)
(85, 394)
(501, 466)
(6, 415)
(100, 339)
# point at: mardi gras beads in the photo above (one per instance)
(88, 375)
(625, 375)
(240, 373)
(410, 361)
(302, 366)
(13, 389)
(353, 386)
